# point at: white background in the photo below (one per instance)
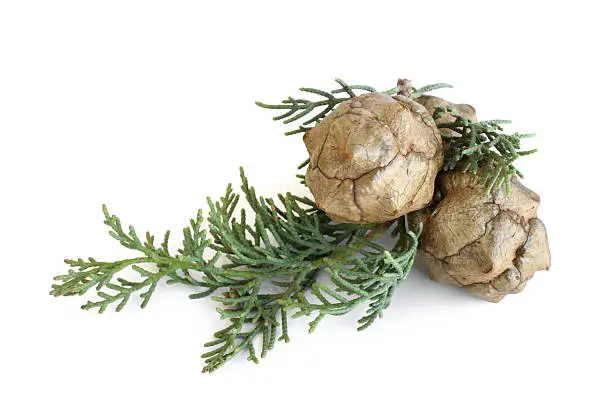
(148, 106)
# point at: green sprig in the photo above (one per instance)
(112, 289)
(290, 245)
(306, 109)
(482, 148)
(260, 271)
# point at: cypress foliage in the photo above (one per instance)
(261, 271)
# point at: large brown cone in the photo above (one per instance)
(373, 159)
(489, 244)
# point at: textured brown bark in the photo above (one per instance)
(489, 244)
(373, 159)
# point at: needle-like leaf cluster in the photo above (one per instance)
(285, 258)
(312, 111)
(112, 289)
(482, 148)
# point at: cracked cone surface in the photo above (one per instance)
(489, 244)
(373, 159)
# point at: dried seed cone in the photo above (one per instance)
(489, 244)
(373, 159)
